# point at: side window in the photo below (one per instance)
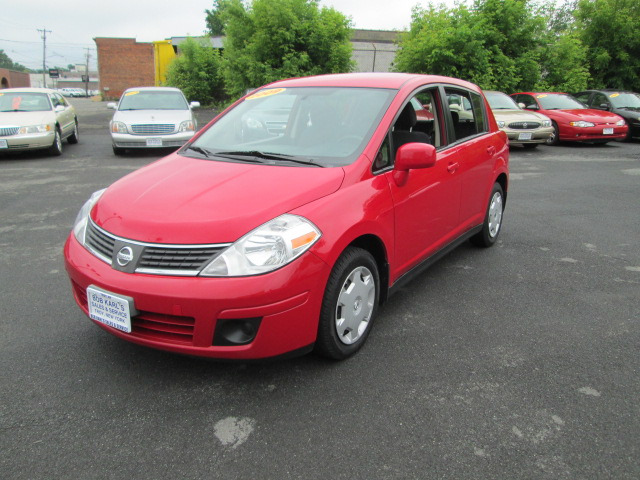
(528, 101)
(467, 113)
(599, 99)
(383, 158)
(584, 98)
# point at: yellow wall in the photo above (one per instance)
(163, 55)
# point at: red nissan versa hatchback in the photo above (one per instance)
(286, 222)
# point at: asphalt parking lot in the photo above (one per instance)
(517, 362)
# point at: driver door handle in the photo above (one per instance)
(452, 167)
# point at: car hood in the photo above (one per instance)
(21, 119)
(151, 116)
(518, 116)
(181, 200)
(586, 114)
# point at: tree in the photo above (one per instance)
(215, 20)
(495, 43)
(610, 30)
(275, 39)
(6, 62)
(196, 71)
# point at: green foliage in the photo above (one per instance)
(196, 71)
(506, 45)
(610, 30)
(6, 62)
(275, 39)
(215, 20)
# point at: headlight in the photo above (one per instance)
(118, 127)
(582, 124)
(34, 129)
(546, 123)
(501, 124)
(267, 248)
(187, 126)
(620, 123)
(80, 225)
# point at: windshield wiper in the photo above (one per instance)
(201, 150)
(269, 156)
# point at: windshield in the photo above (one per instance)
(500, 101)
(322, 126)
(24, 102)
(625, 100)
(559, 101)
(150, 100)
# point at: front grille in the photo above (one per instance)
(8, 131)
(154, 258)
(524, 125)
(177, 259)
(153, 128)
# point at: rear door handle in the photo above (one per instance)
(491, 150)
(452, 167)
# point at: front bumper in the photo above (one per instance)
(31, 141)
(586, 134)
(180, 314)
(538, 135)
(126, 140)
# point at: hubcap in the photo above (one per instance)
(495, 214)
(355, 305)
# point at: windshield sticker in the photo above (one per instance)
(542, 96)
(131, 93)
(265, 93)
(614, 95)
(15, 104)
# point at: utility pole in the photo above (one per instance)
(44, 32)
(86, 71)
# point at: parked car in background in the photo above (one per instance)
(572, 121)
(152, 117)
(248, 248)
(521, 126)
(623, 103)
(36, 119)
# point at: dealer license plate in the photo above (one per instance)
(154, 142)
(525, 136)
(607, 131)
(112, 310)
(3, 144)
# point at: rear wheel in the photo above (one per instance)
(56, 147)
(492, 220)
(350, 304)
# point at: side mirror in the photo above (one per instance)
(112, 105)
(412, 156)
(194, 105)
(603, 106)
(522, 105)
(60, 108)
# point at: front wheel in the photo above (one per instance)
(350, 304)
(493, 219)
(75, 136)
(554, 138)
(56, 147)
(118, 151)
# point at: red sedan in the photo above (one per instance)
(276, 241)
(572, 120)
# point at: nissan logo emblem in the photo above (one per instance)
(124, 256)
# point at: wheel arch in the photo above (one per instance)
(504, 183)
(375, 246)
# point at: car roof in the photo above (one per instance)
(541, 93)
(157, 89)
(394, 81)
(29, 89)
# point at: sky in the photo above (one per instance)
(71, 25)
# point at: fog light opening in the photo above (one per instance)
(236, 331)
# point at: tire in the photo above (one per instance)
(118, 151)
(56, 148)
(349, 305)
(554, 139)
(75, 136)
(492, 219)
(530, 146)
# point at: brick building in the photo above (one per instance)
(13, 79)
(124, 63)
